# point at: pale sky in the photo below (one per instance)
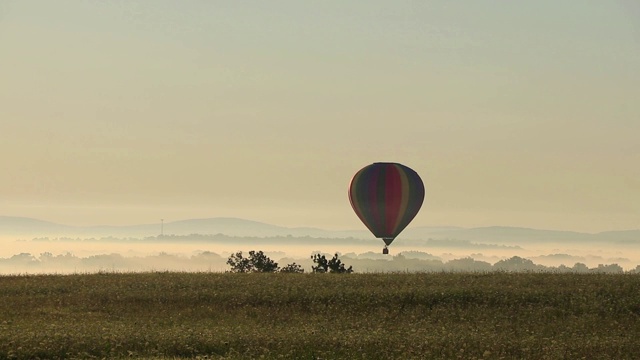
(515, 113)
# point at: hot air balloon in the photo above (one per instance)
(386, 197)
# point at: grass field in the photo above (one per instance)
(320, 316)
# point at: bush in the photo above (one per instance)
(292, 268)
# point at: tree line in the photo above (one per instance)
(258, 261)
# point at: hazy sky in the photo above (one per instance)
(520, 113)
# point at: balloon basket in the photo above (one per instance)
(385, 251)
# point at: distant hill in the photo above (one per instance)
(21, 227)
(516, 235)
(28, 227)
(11, 225)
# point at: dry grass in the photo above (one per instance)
(311, 316)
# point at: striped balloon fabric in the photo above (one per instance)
(386, 197)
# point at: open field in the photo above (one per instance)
(311, 316)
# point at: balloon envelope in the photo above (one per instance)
(386, 197)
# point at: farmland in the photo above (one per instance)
(320, 316)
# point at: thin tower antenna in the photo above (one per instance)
(161, 227)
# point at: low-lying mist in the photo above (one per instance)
(210, 252)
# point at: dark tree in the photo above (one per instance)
(334, 265)
(239, 263)
(256, 262)
(261, 262)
